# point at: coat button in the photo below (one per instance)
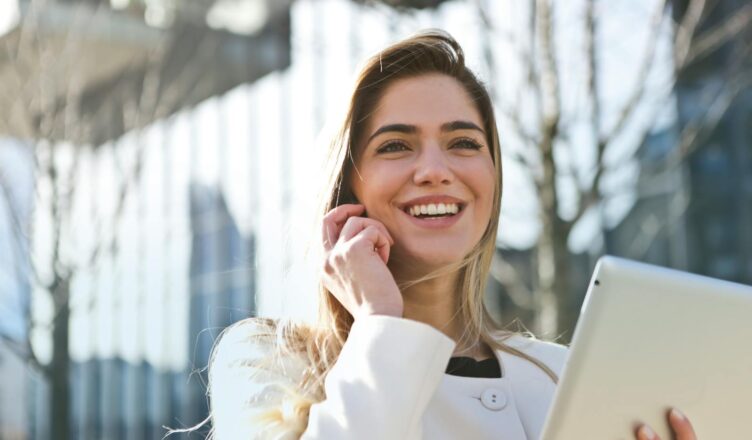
(494, 399)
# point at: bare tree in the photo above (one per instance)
(60, 114)
(52, 106)
(545, 147)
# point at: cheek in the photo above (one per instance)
(381, 178)
(482, 179)
(376, 188)
(484, 185)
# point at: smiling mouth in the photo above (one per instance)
(434, 210)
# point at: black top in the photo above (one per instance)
(469, 367)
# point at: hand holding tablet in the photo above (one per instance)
(680, 425)
(650, 339)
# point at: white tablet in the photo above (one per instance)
(650, 338)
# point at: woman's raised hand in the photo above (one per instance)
(679, 424)
(356, 250)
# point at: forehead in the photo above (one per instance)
(426, 101)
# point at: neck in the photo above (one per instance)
(436, 302)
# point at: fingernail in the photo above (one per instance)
(677, 415)
(647, 433)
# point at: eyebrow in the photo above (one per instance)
(410, 129)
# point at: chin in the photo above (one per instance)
(432, 258)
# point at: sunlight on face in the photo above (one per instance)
(424, 169)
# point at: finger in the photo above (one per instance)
(681, 425)
(334, 220)
(377, 241)
(644, 432)
(354, 225)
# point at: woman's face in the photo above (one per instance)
(424, 170)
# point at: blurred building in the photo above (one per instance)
(13, 398)
(222, 289)
(145, 315)
(15, 166)
(695, 208)
(117, 398)
(719, 215)
(128, 63)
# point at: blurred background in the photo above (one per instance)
(159, 158)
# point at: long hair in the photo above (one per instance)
(319, 345)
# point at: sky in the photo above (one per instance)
(8, 15)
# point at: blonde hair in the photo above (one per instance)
(319, 345)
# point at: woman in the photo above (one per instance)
(404, 347)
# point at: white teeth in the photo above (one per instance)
(434, 209)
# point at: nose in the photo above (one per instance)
(432, 167)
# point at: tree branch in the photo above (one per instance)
(152, 98)
(699, 128)
(685, 32)
(549, 79)
(23, 352)
(19, 232)
(713, 39)
(651, 226)
(508, 276)
(591, 69)
(551, 110)
(696, 131)
(640, 82)
(487, 29)
(529, 141)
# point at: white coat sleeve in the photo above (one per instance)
(379, 387)
(382, 382)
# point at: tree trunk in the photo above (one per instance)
(562, 286)
(548, 248)
(59, 368)
(553, 271)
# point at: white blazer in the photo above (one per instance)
(388, 383)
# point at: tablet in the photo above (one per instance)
(650, 338)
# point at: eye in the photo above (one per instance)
(392, 147)
(467, 144)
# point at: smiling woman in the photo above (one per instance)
(409, 224)
(404, 347)
(427, 152)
